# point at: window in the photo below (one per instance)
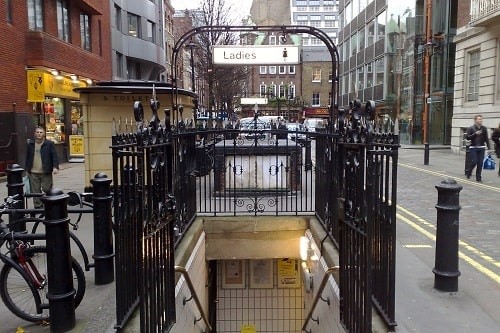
(379, 68)
(291, 91)
(302, 3)
(63, 20)
(316, 41)
(355, 8)
(369, 75)
(119, 64)
(133, 69)
(381, 26)
(272, 70)
(8, 5)
(118, 18)
(316, 24)
(315, 99)
(262, 70)
(291, 69)
(473, 76)
(85, 31)
(348, 13)
(133, 25)
(361, 39)
(353, 81)
(370, 32)
(35, 14)
(272, 40)
(272, 90)
(282, 90)
(361, 78)
(282, 69)
(316, 76)
(313, 2)
(150, 32)
(354, 44)
(263, 90)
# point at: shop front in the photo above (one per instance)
(316, 112)
(57, 109)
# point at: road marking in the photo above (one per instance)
(417, 246)
(466, 181)
(495, 277)
(469, 247)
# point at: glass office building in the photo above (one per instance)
(383, 47)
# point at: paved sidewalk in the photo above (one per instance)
(96, 313)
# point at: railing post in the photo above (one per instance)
(61, 293)
(308, 162)
(446, 264)
(103, 230)
(15, 186)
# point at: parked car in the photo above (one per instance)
(294, 132)
(311, 124)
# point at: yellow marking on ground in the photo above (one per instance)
(417, 246)
(469, 247)
(461, 180)
(492, 275)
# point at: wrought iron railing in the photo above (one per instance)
(482, 8)
(144, 216)
(251, 172)
(344, 174)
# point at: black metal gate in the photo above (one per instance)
(356, 178)
(144, 223)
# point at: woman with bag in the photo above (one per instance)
(495, 137)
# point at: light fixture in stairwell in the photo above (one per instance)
(306, 253)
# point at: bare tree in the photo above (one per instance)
(224, 82)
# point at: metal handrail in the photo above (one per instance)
(194, 296)
(328, 272)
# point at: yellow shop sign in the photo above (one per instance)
(41, 84)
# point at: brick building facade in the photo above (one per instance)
(49, 47)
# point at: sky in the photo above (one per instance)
(240, 8)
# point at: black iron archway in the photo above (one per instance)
(284, 29)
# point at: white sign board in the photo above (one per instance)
(255, 55)
(253, 101)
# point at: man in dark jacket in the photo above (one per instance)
(41, 164)
(478, 136)
(495, 137)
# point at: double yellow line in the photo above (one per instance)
(422, 226)
(458, 179)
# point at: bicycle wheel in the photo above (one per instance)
(17, 293)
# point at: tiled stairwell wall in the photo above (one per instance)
(270, 309)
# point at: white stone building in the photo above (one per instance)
(477, 70)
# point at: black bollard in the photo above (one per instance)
(61, 293)
(15, 186)
(446, 271)
(103, 230)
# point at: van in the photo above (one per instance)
(311, 124)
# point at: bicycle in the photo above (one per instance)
(23, 278)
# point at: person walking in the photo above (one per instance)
(478, 136)
(495, 137)
(41, 164)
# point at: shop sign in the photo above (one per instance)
(317, 112)
(41, 84)
(255, 55)
(76, 146)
